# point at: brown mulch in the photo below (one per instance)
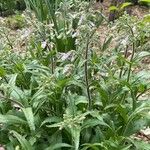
(137, 10)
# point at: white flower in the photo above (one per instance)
(43, 44)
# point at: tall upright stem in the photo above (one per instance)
(125, 56)
(130, 65)
(131, 59)
(86, 74)
(86, 69)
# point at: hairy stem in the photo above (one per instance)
(131, 59)
(125, 56)
(86, 74)
(52, 60)
(130, 66)
(86, 69)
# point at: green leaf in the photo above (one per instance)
(29, 117)
(146, 18)
(142, 54)
(94, 146)
(81, 100)
(58, 145)
(136, 126)
(24, 143)
(12, 80)
(144, 74)
(55, 125)
(52, 119)
(10, 119)
(124, 5)
(75, 133)
(139, 111)
(104, 95)
(147, 1)
(107, 43)
(18, 95)
(93, 122)
(141, 145)
(2, 72)
(112, 8)
(121, 109)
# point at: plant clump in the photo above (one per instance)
(70, 91)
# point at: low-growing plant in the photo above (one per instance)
(85, 99)
(15, 22)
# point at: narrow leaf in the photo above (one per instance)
(58, 145)
(10, 119)
(30, 118)
(124, 5)
(24, 143)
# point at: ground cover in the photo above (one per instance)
(69, 79)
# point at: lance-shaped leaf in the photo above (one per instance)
(29, 117)
(10, 119)
(58, 145)
(23, 142)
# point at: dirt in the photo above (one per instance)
(139, 11)
(136, 10)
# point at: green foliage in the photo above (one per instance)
(63, 21)
(120, 7)
(8, 7)
(146, 2)
(15, 22)
(87, 97)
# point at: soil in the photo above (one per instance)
(139, 11)
(136, 10)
